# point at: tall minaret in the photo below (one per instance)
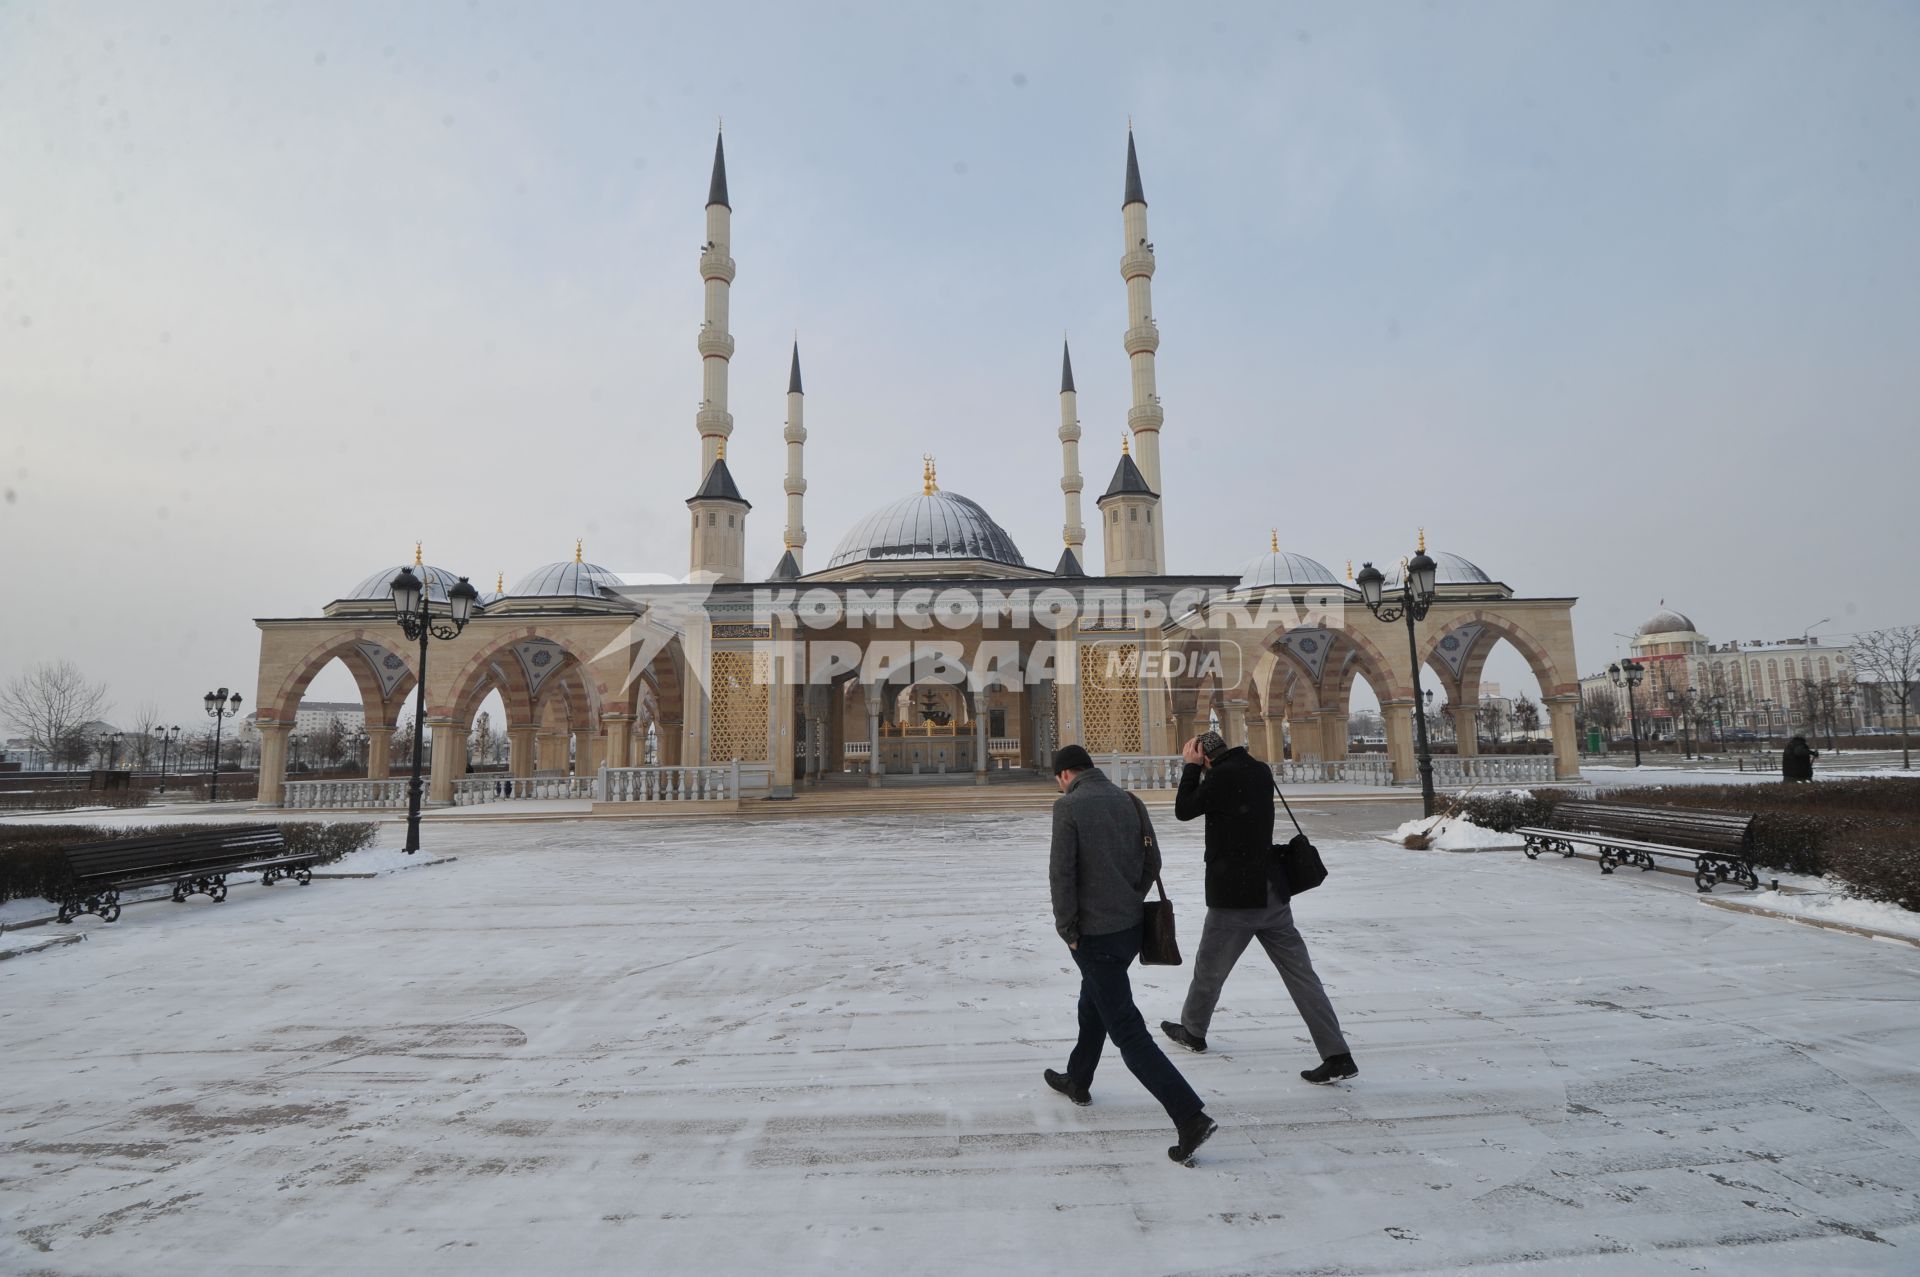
(1142, 339)
(713, 420)
(796, 482)
(1075, 532)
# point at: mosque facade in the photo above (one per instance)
(924, 645)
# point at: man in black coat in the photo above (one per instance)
(1246, 900)
(1796, 760)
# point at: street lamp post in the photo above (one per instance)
(412, 604)
(113, 750)
(1766, 716)
(1628, 673)
(1718, 703)
(220, 707)
(167, 738)
(1416, 596)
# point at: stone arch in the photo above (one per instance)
(378, 703)
(1538, 659)
(499, 648)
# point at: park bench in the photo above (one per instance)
(195, 863)
(1717, 844)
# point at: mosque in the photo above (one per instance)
(926, 649)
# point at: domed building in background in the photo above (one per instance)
(927, 649)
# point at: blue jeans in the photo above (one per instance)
(1107, 1010)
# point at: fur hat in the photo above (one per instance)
(1072, 758)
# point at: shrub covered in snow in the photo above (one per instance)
(31, 864)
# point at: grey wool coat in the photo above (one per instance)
(1101, 864)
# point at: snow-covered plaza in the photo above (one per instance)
(811, 1047)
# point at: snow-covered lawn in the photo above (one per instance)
(815, 1047)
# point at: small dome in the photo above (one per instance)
(567, 579)
(931, 525)
(1281, 567)
(380, 584)
(1667, 622)
(1449, 569)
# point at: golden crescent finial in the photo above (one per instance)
(500, 582)
(1126, 443)
(577, 544)
(929, 475)
(1423, 540)
(1349, 570)
(720, 451)
(1274, 546)
(417, 560)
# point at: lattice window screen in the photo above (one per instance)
(1110, 697)
(739, 707)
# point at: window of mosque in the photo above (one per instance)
(710, 518)
(1133, 516)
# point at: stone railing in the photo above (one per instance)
(1141, 771)
(343, 793)
(1340, 771)
(859, 748)
(1003, 745)
(668, 784)
(469, 791)
(1476, 769)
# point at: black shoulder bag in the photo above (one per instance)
(1299, 859)
(1158, 947)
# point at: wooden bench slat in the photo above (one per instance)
(1718, 843)
(194, 862)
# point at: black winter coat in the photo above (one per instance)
(1236, 797)
(1796, 760)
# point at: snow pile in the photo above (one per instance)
(1828, 906)
(1456, 833)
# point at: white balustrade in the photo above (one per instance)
(343, 793)
(1004, 745)
(1475, 769)
(669, 784)
(499, 788)
(1141, 771)
(859, 748)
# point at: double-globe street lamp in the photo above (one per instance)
(1628, 673)
(412, 604)
(1416, 597)
(220, 707)
(166, 736)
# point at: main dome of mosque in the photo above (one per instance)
(928, 525)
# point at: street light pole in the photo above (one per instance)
(412, 604)
(1628, 673)
(1416, 597)
(219, 708)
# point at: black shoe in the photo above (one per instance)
(1069, 1088)
(1332, 1069)
(1178, 1032)
(1193, 1132)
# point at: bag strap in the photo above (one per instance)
(1289, 806)
(1146, 838)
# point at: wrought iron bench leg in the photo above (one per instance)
(106, 905)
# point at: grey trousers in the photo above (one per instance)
(1225, 937)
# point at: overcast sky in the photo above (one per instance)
(1618, 301)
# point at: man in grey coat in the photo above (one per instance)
(1103, 860)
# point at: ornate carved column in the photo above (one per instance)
(379, 751)
(449, 759)
(1466, 729)
(1566, 742)
(273, 762)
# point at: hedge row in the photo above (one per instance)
(68, 799)
(31, 863)
(1865, 833)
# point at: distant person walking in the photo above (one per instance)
(1104, 858)
(1796, 760)
(1246, 900)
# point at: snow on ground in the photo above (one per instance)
(610, 1047)
(1832, 906)
(1456, 833)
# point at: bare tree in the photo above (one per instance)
(1889, 661)
(50, 703)
(142, 744)
(1526, 716)
(1602, 710)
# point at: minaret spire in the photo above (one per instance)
(713, 421)
(796, 436)
(1142, 339)
(1075, 532)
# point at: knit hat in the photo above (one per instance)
(1072, 758)
(1212, 744)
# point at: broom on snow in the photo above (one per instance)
(1422, 839)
